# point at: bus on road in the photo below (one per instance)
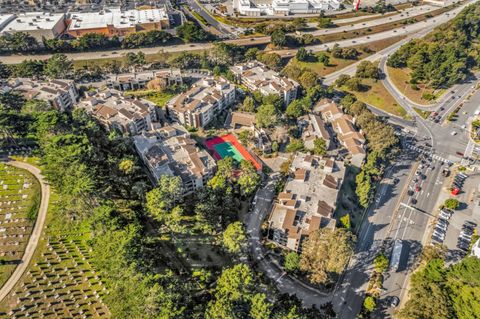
(396, 254)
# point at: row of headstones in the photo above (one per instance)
(10, 253)
(14, 220)
(57, 309)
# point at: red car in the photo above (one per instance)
(417, 188)
(455, 191)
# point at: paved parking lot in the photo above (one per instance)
(468, 211)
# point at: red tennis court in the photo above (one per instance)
(229, 146)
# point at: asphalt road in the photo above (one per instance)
(405, 30)
(36, 232)
(285, 284)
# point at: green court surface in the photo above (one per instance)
(227, 149)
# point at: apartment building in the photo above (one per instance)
(116, 111)
(39, 25)
(198, 106)
(61, 94)
(312, 127)
(136, 81)
(115, 22)
(307, 202)
(344, 127)
(256, 76)
(169, 151)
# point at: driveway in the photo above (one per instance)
(285, 284)
(36, 232)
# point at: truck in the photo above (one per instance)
(396, 254)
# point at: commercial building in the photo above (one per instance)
(344, 127)
(256, 76)
(198, 106)
(169, 151)
(307, 202)
(39, 25)
(115, 111)
(115, 22)
(136, 81)
(61, 94)
(257, 8)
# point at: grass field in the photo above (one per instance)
(378, 96)
(157, 97)
(401, 79)
(338, 64)
(422, 113)
(19, 201)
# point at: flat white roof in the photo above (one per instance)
(115, 17)
(5, 19)
(31, 21)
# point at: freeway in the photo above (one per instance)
(404, 30)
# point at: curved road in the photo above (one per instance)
(36, 232)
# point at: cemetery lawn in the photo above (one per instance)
(19, 201)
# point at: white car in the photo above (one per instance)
(444, 215)
(453, 133)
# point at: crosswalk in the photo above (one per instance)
(429, 153)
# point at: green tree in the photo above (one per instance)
(308, 79)
(234, 237)
(5, 71)
(278, 38)
(191, 32)
(58, 66)
(354, 84)
(248, 105)
(451, 203)
(319, 146)
(302, 55)
(292, 261)
(266, 116)
(367, 69)
(345, 220)
(249, 180)
(294, 109)
(324, 23)
(260, 307)
(127, 166)
(381, 263)
(272, 60)
(326, 252)
(295, 145)
(251, 54)
(163, 198)
(369, 304)
(342, 80)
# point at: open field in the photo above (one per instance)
(338, 64)
(378, 96)
(19, 201)
(401, 79)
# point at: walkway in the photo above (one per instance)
(36, 232)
